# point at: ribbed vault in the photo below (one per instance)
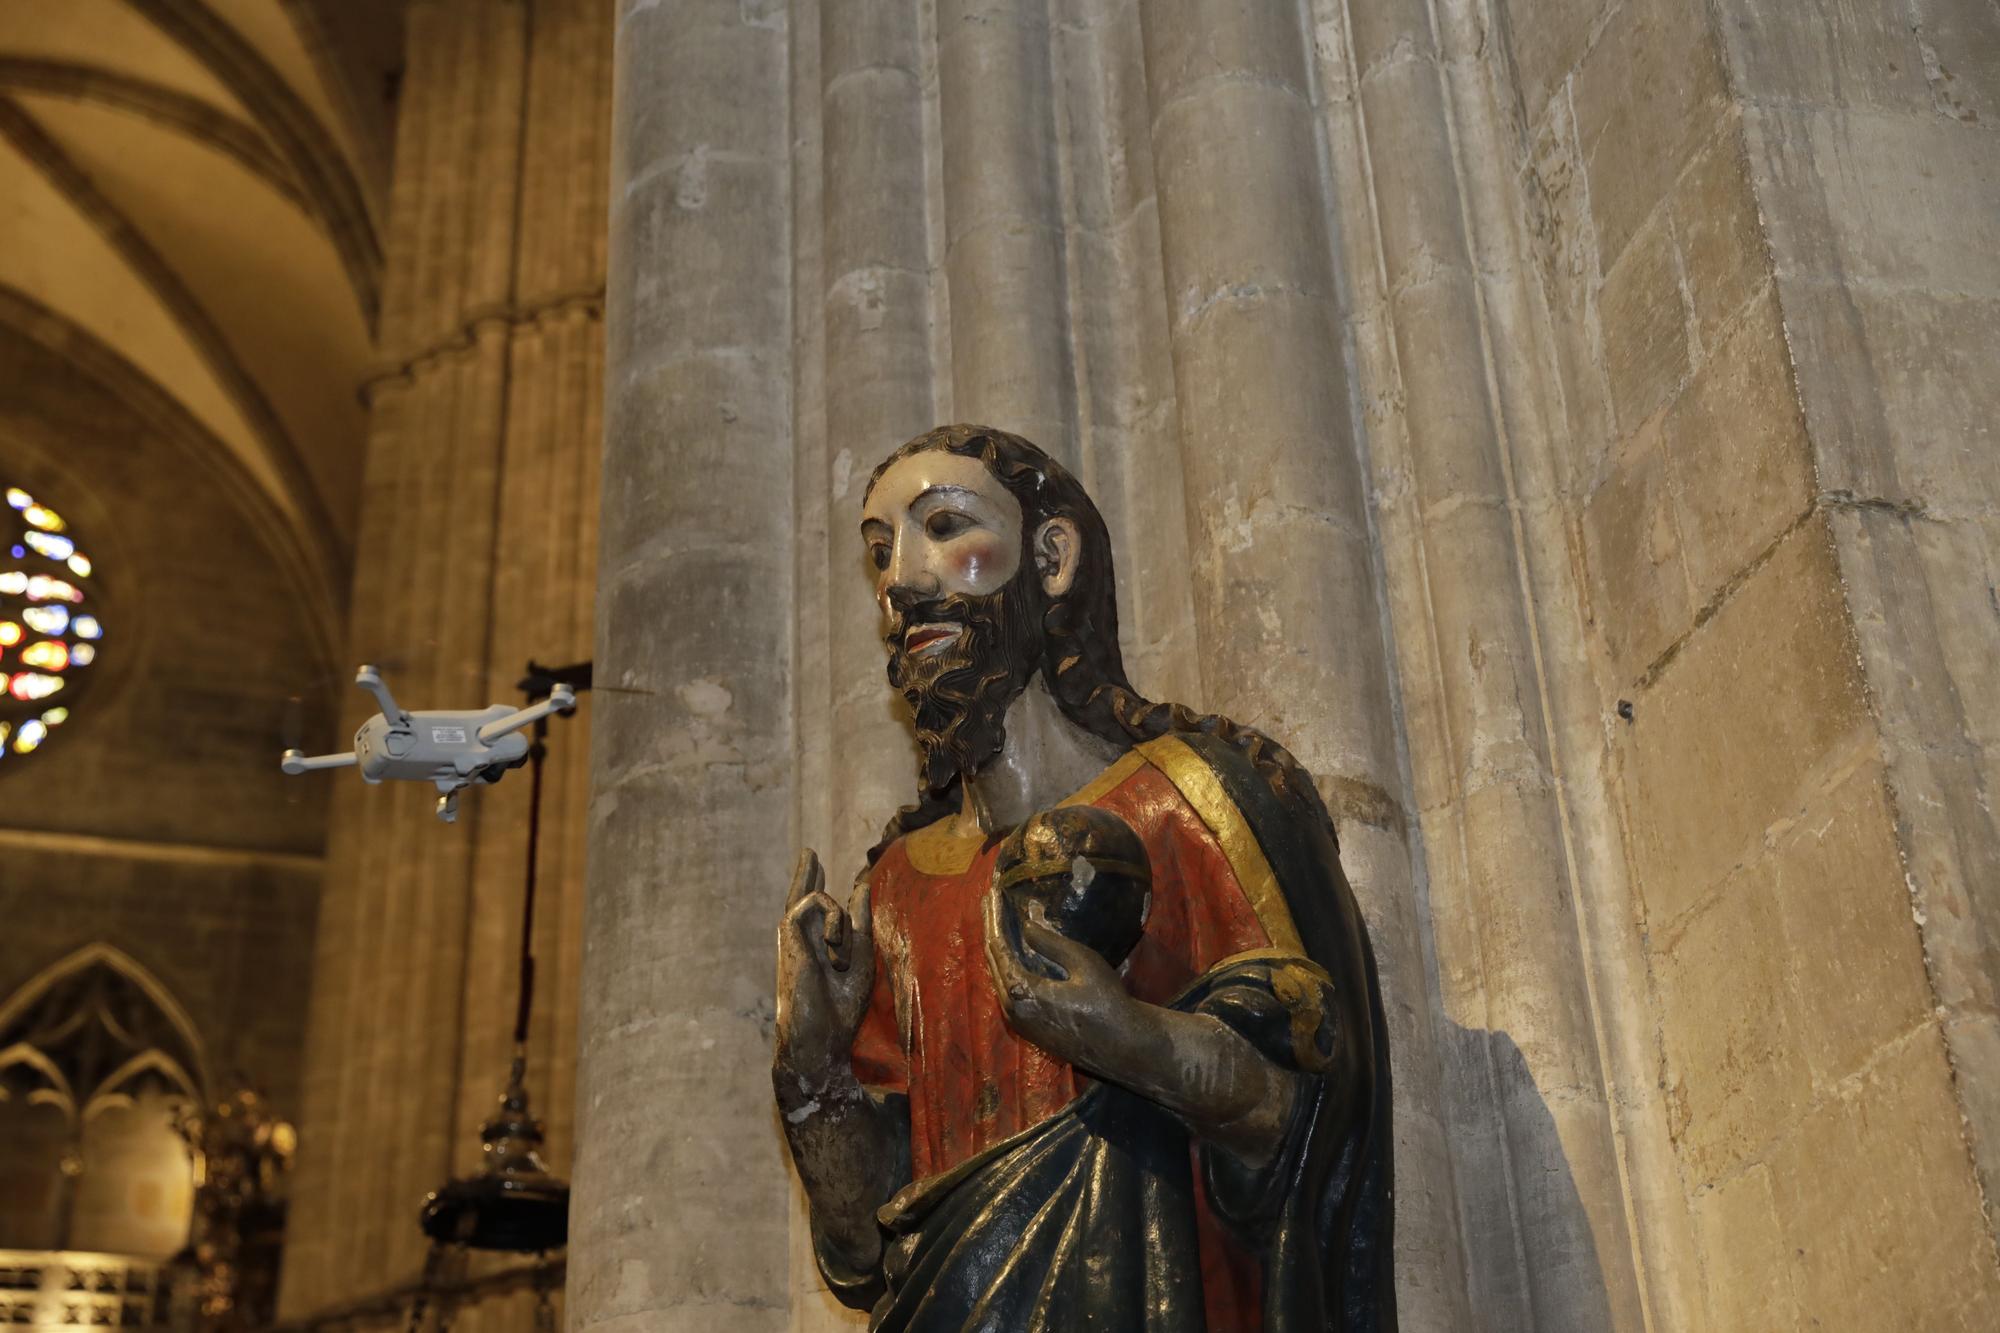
(196, 187)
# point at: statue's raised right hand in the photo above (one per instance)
(826, 972)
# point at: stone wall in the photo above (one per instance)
(1740, 217)
(1558, 423)
(154, 820)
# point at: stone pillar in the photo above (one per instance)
(1537, 1167)
(1128, 431)
(679, 1216)
(1294, 644)
(1004, 237)
(877, 330)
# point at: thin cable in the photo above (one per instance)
(536, 753)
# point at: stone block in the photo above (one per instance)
(665, 227)
(1485, 667)
(1188, 41)
(1564, 245)
(1239, 221)
(1878, 199)
(996, 108)
(877, 369)
(1734, 1067)
(1748, 1269)
(1454, 454)
(1545, 39)
(1837, 53)
(1899, 393)
(1528, 965)
(1648, 96)
(865, 34)
(716, 409)
(1738, 453)
(1857, 964)
(1645, 324)
(715, 100)
(1724, 258)
(1756, 696)
(1959, 560)
(1960, 42)
(874, 208)
(1260, 379)
(1410, 155)
(1876, 1198)
(1632, 551)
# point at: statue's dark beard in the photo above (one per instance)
(959, 696)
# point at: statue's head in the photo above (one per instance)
(991, 564)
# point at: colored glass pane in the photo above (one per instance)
(49, 655)
(42, 588)
(49, 624)
(50, 545)
(34, 685)
(46, 619)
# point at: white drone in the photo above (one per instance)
(454, 750)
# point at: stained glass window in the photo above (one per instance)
(50, 634)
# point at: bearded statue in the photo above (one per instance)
(1096, 1042)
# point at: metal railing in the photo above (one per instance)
(73, 1289)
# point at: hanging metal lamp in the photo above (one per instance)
(513, 1204)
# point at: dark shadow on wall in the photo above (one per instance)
(1514, 1182)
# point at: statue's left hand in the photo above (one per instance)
(1078, 1010)
(1073, 1005)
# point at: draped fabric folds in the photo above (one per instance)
(1089, 1219)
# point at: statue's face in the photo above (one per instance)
(962, 619)
(938, 525)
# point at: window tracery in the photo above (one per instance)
(99, 1067)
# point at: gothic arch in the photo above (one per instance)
(50, 1030)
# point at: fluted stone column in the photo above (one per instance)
(1003, 220)
(679, 1216)
(1286, 604)
(877, 384)
(1546, 1229)
(1128, 428)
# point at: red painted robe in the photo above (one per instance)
(934, 1030)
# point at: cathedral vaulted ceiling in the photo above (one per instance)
(191, 204)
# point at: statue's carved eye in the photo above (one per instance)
(944, 523)
(878, 554)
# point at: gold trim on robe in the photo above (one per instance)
(935, 850)
(1199, 786)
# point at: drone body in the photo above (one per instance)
(449, 748)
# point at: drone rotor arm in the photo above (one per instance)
(561, 700)
(295, 762)
(369, 679)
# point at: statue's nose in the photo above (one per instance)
(905, 583)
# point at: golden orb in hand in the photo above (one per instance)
(1087, 869)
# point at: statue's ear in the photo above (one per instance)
(1058, 551)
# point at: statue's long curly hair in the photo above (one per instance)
(1080, 658)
